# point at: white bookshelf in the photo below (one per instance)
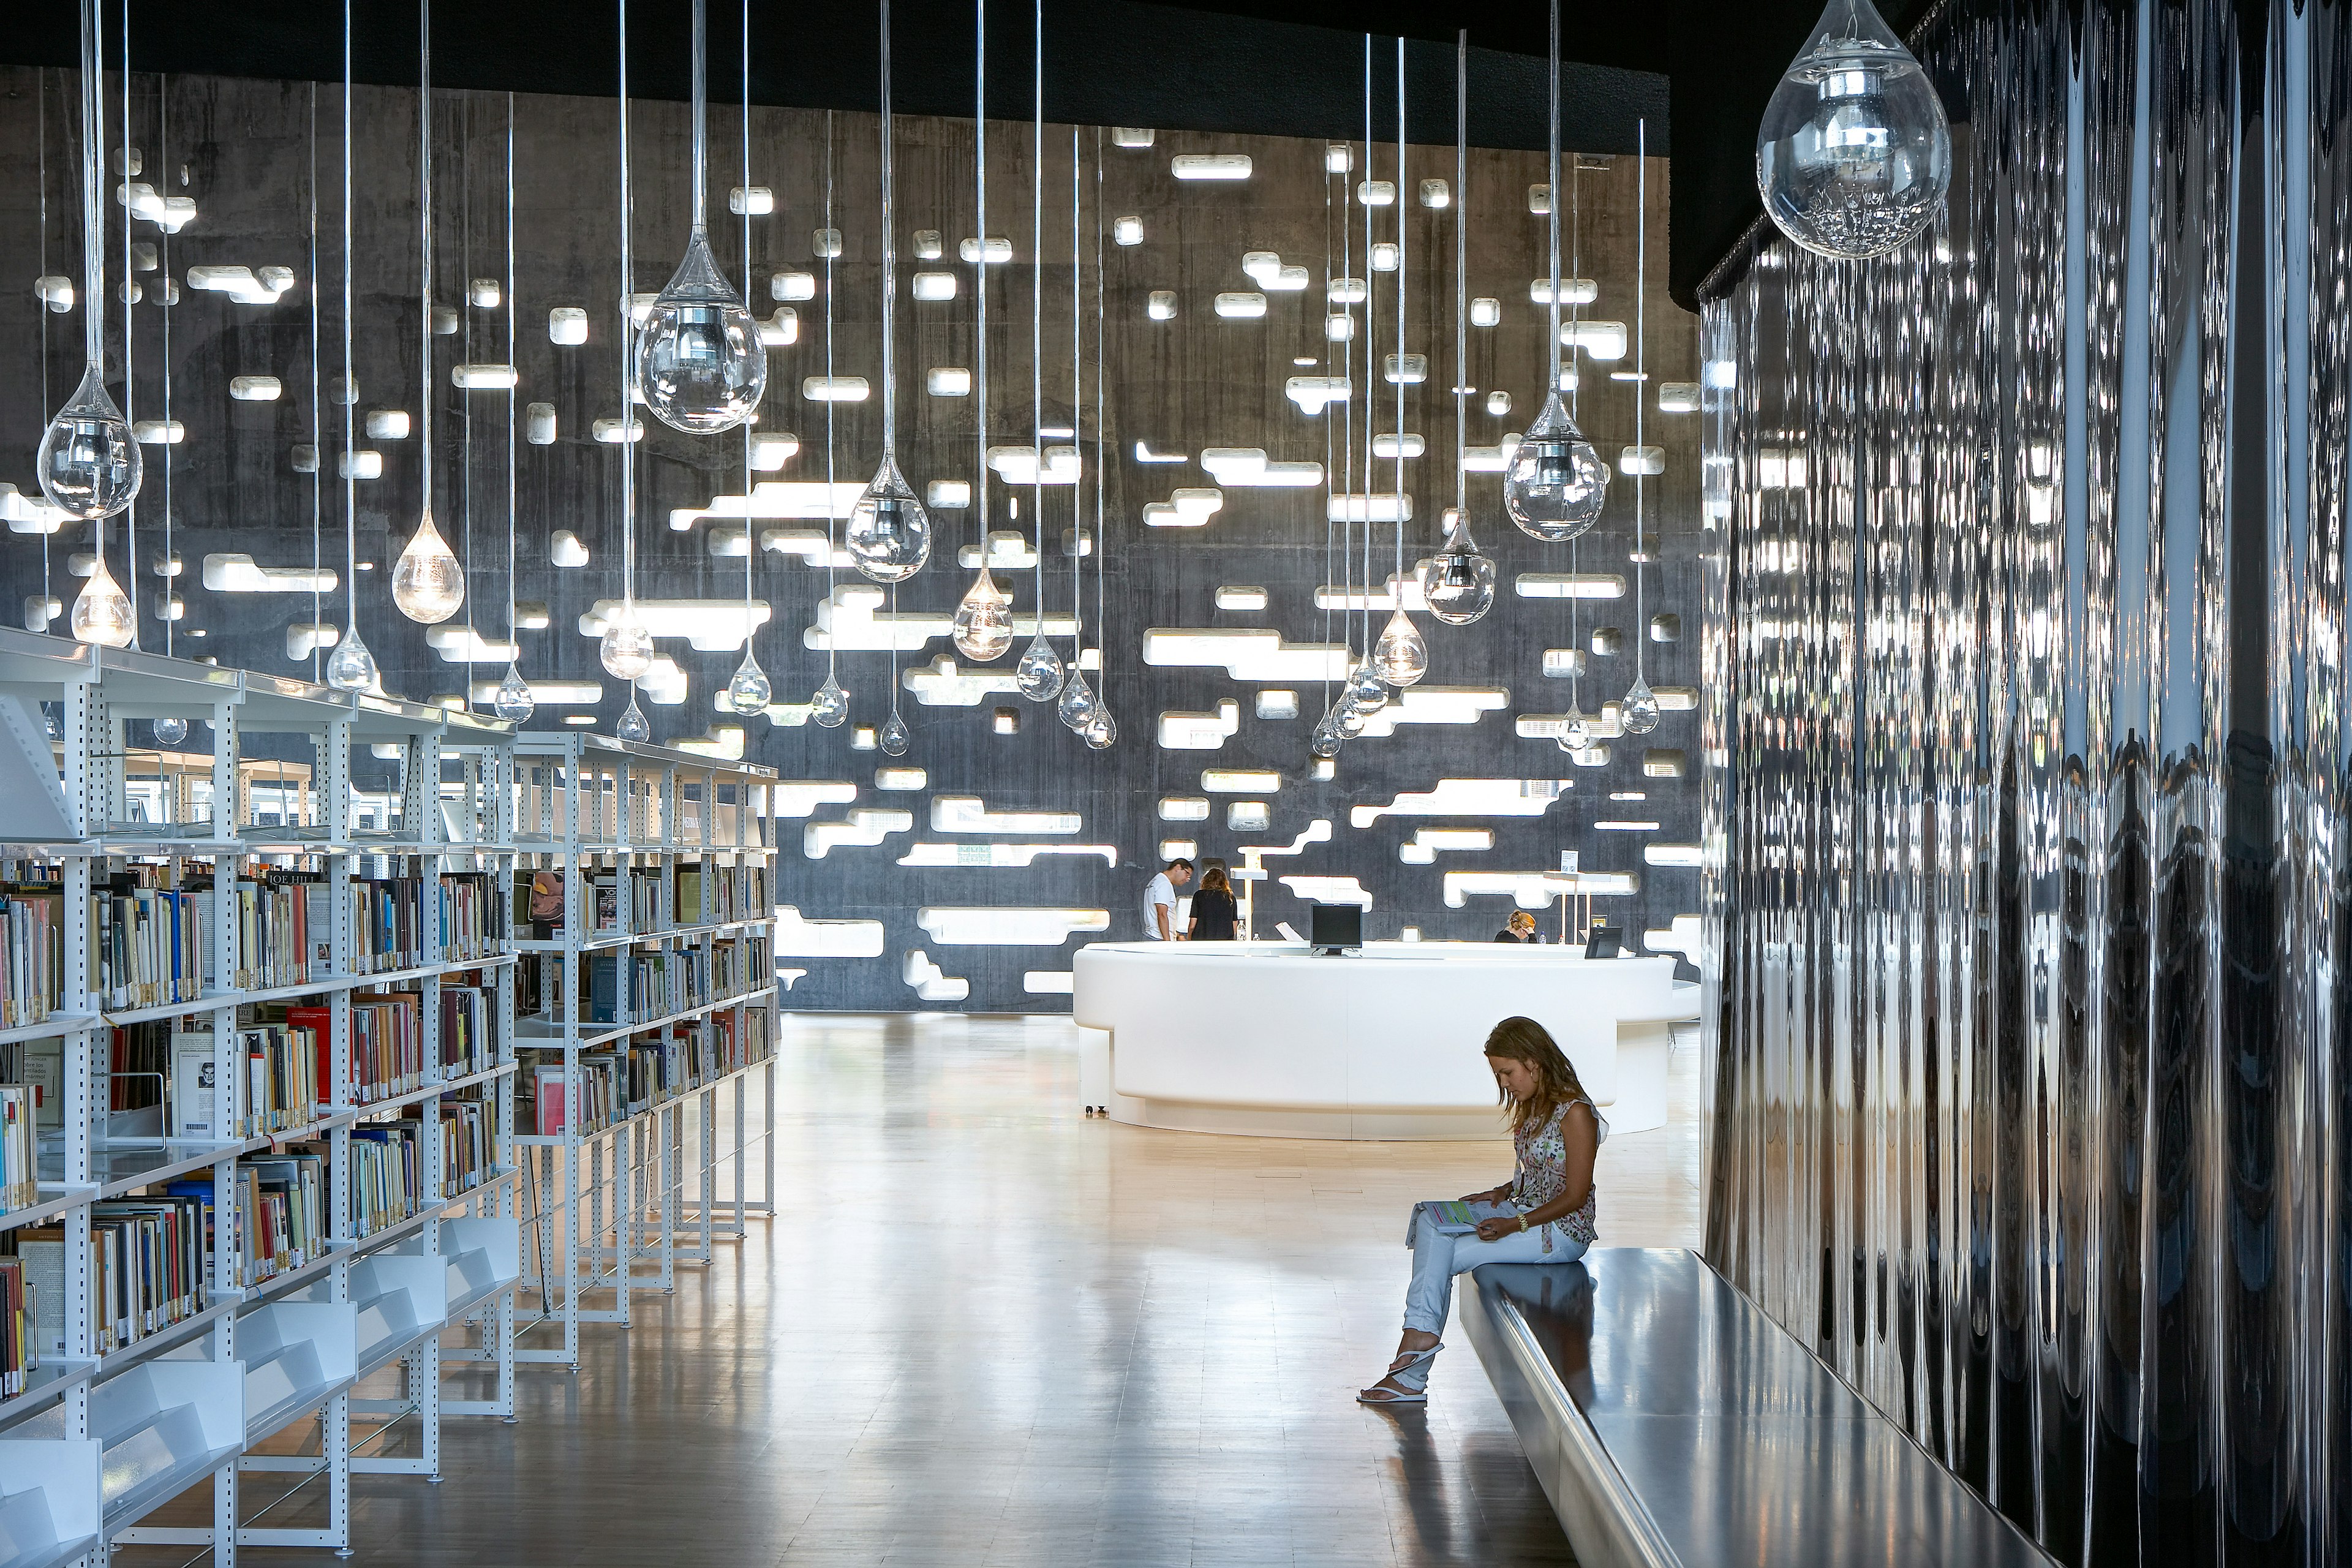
(187, 1402)
(616, 1207)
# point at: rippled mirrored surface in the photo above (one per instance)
(2030, 1072)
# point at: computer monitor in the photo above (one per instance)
(1334, 927)
(1604, 941)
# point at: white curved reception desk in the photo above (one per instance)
(1272, 1039)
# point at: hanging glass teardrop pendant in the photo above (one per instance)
(699, 361)
(1039, 672)
(1078, 706)
(88, 465)
(1556, 481)
(351, 667)
(984, 620)
(1457, 583)
(1639, 715)
(1401, 656)
(1327, 739)
(633, 725)
(830, 704)
(513, 701)
(171, 732)
(1366, 693)
(1576, 731)
(626, 648)
(1348, 719)
(1854, 152)
(1101, 730)
(428, 583)
(896, 737)
(102, 611)
(889, 535)
(749, 691)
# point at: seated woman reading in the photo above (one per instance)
(1549, 1204)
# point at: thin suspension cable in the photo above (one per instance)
(317, 424)
(1330, 485)
(1037, 318)
(889, 264)
(1640, 380)
(425, 239)
(628, 333)
(1077, 400)
(1346, 497)
(1102, 547)
(93, 217)
(751, 546)
(350, 384)
(831, 647)
(41, 144)
(1371, 350)
(1461, 275)
(1400, 324)
(514, 393)
(701, 96)
(130, 384)
(465, 316)
(980, 264)
(1551, 194)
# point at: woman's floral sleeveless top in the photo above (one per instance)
(1543, 1176)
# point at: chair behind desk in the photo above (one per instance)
(1673, 1425)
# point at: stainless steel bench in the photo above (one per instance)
(1674, 1425)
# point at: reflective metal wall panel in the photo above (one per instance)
(2023, 675)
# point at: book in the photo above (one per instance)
(1453, 1216)
(195, 1095)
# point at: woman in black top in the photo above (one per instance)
(1213, 911)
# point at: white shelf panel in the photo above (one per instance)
(48, 1028)
(531, 1032)
(297, 1355)
(402, 1299)
(164, 1425)
(51, 1206)
(44, 1386)
(482, 1259)
(326, 985)
(50, 1508)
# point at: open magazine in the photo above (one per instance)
(1453, 1216)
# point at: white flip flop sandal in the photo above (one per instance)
(1413, 1361)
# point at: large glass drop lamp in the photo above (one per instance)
(889, 533)
(1854, 153)
(633, 725)
(1576, 731)
(513, 701)
(1078, 707)
(1401, 656)
(830, 704)
(626, 648)
(699, 361)
(1556, 482)
(88, 464)
(749, 691)
(983, 619)
(896, 737)
(1457, 583)
(102, 611)
(351, 667)
(1368, 693)
(427, 582)
(1039, 671)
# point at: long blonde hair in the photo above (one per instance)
(1213, 881)
(1525, 1040)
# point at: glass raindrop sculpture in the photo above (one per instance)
(1039, 672)
(428, 583)
(1556, 481)
(633, 725)
(351, 667)
(699, 362)
(984, 620)
(513, 701)
(1366, 693)
(626, 648)
(1576, 734)
(87, 463)
(1101, 729)
(889, 533)
(1327, 739)
(749, 691)
(1640, 714)
(1401, 656)
(894, 736)
(1854, 153)
(829, 705)
(1457, 583)
(1078, 707)
(102, 611)
(171, 732)
(1348, 719)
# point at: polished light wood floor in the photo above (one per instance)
(985, 1330)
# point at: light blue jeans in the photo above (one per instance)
(1437, 1258)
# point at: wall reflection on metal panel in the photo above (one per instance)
(2031, 1075)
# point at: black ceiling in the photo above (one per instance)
(1699, 71)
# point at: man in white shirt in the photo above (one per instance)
(1159, 901)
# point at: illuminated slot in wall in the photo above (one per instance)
(835, 388)
(255, 388)
(1486, 313)
(387, 424)
(567, 325)
(1601, 339)
(1127, 230)
(1237, 598)
(1275, 703)
(1183, 808)
(483, 377)
(1210, 166)
(1002, 925)
(1678, 398)
(1376, 193)
(1241, 781)
(1132, 136)
(933, 287)
(781, 329)
(792, 286)
(612, 432)
(750, 201)
(359, 465)
(1248, 816)
(1572, 292)
(1388, 446)
(969, 813)
(948, 381)
(1645, 460)
(825, 244)
(538, 424)
(1162, 305)
(1436, 193)
(997, 252)
(948, 495)
(1241, 305)
(1499, 403)
(929, 982)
